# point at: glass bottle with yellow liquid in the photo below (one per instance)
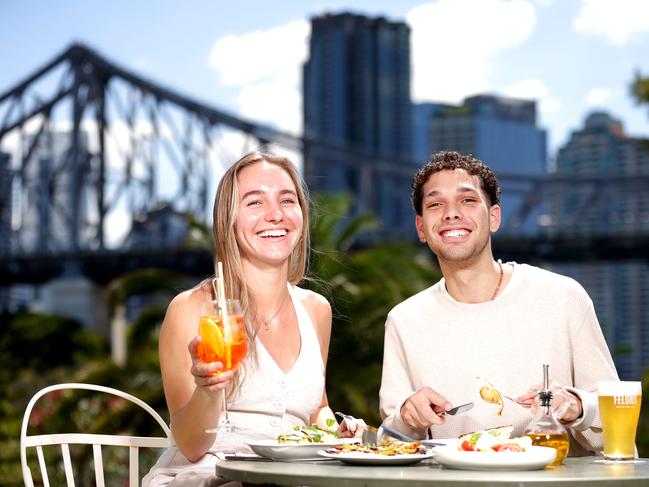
(545, 429)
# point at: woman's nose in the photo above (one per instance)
(274, 214)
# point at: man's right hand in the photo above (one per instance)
(424, 408)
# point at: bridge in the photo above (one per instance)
(94, 156)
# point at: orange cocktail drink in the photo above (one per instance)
(223, 340)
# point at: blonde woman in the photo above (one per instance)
(261, 232)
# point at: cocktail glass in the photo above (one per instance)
(223, 339)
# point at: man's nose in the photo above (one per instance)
(452, 213)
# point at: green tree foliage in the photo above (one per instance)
(640, 89)
(362, 283)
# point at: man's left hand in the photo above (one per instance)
(566, 406)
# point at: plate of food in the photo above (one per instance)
(395, 453)
(494, 449)
(302, 443)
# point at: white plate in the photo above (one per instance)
(289, 451)
(534, 458)
(360, 458)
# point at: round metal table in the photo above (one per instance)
(586, 471)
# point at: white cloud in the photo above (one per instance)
(455, 41)
(266, 67)
(597, 96)
(527, 88)
(549, 105)
(276, 102)
(618, 21)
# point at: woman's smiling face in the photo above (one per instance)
(269, 220)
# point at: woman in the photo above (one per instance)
(261, 233)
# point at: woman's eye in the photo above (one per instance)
(288, 201)
(253, 203)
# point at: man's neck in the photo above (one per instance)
(473, 282)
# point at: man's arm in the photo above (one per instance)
(402, 408)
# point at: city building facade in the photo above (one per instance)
(357, 114)
(619, 288)
(501, 131)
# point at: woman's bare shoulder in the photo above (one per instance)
(186, 302)
(315, 303)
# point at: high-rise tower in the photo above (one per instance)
(619, 289)
(357, 112)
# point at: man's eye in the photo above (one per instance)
(434, 204)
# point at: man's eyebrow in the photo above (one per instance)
(462, 188)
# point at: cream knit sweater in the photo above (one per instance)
(540, 317)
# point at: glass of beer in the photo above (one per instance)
(619, 408)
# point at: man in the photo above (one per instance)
(486, 322)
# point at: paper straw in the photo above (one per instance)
(223, 305)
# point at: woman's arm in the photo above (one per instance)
(319, 310)
(193, 395)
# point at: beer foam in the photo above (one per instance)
(619, 388)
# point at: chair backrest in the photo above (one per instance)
(134, 443)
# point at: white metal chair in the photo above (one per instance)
(134, 443)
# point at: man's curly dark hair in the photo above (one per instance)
(454, 160)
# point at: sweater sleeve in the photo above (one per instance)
(591, 363)
(396, 385)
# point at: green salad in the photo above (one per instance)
(309, 434)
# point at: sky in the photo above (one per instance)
(245, 57)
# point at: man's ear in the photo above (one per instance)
(419, 223)
(494, 218)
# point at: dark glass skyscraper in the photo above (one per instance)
(357, 112)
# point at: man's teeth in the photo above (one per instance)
(272, 233)
(455, 233)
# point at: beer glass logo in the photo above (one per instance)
(624, 401)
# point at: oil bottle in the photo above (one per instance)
(545, 429)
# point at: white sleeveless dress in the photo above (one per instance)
(270, 402)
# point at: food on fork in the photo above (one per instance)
(494, 439)
(490, 394)
(309, 434)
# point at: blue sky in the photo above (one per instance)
(573, 56)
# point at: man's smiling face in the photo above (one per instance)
(456, 220)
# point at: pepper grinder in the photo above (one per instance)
(545, 429)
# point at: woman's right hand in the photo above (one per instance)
(205, 374)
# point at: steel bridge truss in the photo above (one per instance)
(87, 149)
(86, 146)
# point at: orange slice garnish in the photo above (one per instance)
(213, 342)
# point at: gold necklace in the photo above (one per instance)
(266, 323)
(500, 280)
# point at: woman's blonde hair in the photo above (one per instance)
(226, 205)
